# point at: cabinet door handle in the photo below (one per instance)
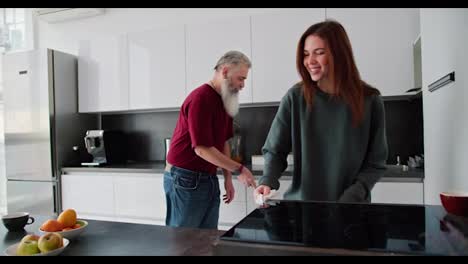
(442, 82)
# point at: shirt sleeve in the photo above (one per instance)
(376, 158)
(277, 145)
(200, 123)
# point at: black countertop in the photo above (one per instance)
(309, 227)
(156, 167)
(103, 238)
(376, 229)
(394, 173)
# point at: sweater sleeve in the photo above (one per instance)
(277, 145)
(374, 165)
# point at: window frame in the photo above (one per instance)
(8, 27)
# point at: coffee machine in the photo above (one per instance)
(106, 146)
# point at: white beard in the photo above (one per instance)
(230, 98)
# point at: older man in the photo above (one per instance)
(199, 146)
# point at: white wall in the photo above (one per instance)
(444, 39)
(65, 36)
(29, 29)
(382, 41)
(2, 147)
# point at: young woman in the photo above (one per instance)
(332, 121)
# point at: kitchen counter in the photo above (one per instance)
(115, 238)
(157, 167)
(423, 230)
(394, 173)
(318, 228)
(131, 167)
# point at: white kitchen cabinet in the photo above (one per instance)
(382, 41)
(395, 61)
(398, 193)
(140, 196)
(274, 43)
(240, 189)
(157, 68)
(207, 42)
(103, 74)
(121, 197)
(89, 194)
(361, 26)
(230, 214)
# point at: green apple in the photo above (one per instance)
(30, 237)
(50, 241)
(27, 248)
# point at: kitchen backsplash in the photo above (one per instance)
(147, 131)
(255, 123)
(404, 126)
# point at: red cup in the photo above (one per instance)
(455, 202)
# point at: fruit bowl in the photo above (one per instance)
(455, 202)
(11, 250)
(73, 233)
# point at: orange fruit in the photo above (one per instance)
(67, 218)
(52, 225)
(67, 228)
(76, 226)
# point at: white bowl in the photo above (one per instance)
(11, 250)
(71, 234)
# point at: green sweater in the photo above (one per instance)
(333, 160)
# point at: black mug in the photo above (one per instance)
(17, 221)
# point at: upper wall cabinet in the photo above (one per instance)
(274, 44)
(382, 42)
(206, 43)
(157, 68)
(103, 74)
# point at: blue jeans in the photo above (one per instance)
(192, 198)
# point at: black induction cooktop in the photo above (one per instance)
(414, 229)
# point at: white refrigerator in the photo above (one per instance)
(41, 126)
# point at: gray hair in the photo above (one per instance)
(235, 58)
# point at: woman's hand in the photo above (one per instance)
(262, 190)
(259, 195)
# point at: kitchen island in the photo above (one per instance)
(287, 228)
(103, 238)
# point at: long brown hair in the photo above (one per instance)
(343, 72)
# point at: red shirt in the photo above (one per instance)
(203, 121)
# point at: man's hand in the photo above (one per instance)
(247, 178)
(229, 187)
